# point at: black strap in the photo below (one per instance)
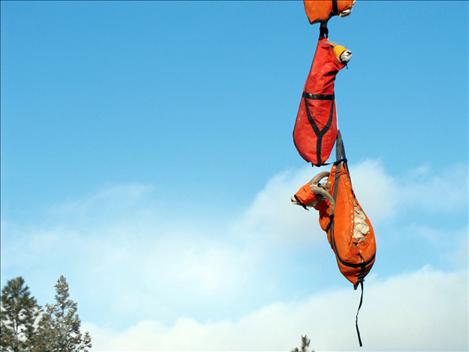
(339, 148)
(356, 317)
(323, 30)
(323, 164)
(318, 96)
(332, 223)
(335, 9)
(336, 181)
(337, 162)
(319, 133)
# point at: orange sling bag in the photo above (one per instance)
(349, 230)
(323, 10)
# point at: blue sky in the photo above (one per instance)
(147, 152)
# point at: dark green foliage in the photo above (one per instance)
(304, 345)
(18, 314)
(54, 328)
(59, 328)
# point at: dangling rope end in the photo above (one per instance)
(358, 310)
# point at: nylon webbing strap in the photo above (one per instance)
(323, 30)
(334, 196)
(356, 317)
(319, 133)
(339, 149)
(318, 96)
(335, 9)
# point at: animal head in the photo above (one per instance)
(341, 52)
(347, 11)
(312, 193)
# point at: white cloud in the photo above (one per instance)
(376, 190)
(127, 260)
(272, 218)
(423, 310)
(443, 192)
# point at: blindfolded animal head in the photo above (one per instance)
(341, 52)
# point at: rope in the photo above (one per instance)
(356, 317)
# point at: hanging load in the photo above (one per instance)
(315, 128)
(349, 230)
(323, 10)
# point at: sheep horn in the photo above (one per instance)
(322, 192)
(316, 179)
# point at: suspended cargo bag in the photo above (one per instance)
(349, 230)
(323, 10)
(315, 128)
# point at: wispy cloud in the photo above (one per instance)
(131, 259)
(422, 310)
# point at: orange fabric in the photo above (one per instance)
(322, 10)
(315, 144)
(306, 196)
(324, 216)
(354, 258)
